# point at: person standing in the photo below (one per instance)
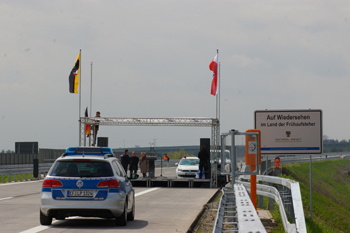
(125, 160)
(166, 159)
(144, 164)
(134, 162)
(96, 128)
(277, 161)
(203, 156)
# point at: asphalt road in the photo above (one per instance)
(157, 210)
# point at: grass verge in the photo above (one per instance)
(330, 194)
(15, 178)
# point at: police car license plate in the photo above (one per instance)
(80, 193)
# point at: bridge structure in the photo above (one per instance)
(177, 121)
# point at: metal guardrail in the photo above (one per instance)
(271, 192)
(236, 212)
(296, 201)
(14, 170)
(290, 200)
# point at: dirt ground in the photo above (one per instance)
(207, 221)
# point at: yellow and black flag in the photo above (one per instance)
(74, 77)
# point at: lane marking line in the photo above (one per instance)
(36, 229)
(5, 198)
(41, 228)
(146, 191)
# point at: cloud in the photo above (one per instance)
(151, 58)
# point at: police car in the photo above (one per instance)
(87, 182)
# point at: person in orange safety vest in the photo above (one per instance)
(277, 161)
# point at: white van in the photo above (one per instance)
(227, 158)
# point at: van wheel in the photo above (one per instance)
(122, 219)
(45, 220)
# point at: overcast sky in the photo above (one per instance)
(151, 59)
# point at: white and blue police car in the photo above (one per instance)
(87, 182)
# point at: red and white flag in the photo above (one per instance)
(213, 66)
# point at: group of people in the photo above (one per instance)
(133, 163)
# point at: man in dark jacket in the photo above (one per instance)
(125, 160)
(203, 156)
(134, 161)
(96, 127)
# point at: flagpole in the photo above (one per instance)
(218, 90)
(91, 91)
(218, 96)
(90, 104)
(80, 97)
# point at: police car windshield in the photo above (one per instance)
(82, 169)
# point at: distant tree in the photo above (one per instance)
(7, 152)
(178, 154)
(182, 153)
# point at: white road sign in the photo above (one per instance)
(290, 131)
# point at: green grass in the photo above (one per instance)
(330, 194)
(12, 178)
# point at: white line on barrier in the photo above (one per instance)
(41, 228)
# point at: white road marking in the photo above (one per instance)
(36, 229)
(146, 191)
(41, 228)
(5, 198)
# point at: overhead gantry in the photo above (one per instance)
(178, 121)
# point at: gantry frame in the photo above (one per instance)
(179, 121)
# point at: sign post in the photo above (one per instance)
(252, 149)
